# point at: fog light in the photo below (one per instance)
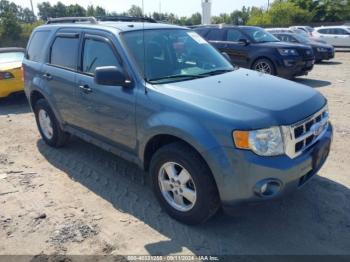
(268, 188)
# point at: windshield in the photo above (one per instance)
(171, 55)
(302, 39)
(11, 57)
(259, 35)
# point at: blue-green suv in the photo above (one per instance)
(160, 96)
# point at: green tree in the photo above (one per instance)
(135, 11)
(45, 11)
(75, 10)
(10, 27)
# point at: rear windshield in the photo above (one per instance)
(11, 57)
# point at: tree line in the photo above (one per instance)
(16, 23)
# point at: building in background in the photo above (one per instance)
(206, 12)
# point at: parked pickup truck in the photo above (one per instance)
(209, 134)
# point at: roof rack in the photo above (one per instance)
(125, 19)
(91, 20)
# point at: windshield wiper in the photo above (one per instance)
(175, 77)
(216, 72)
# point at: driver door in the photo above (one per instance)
(107, 112)
(237, 51)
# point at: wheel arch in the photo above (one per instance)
(35, 96)
(264, 57)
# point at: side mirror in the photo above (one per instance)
(228, 58)
(110, 76)
(244, 42)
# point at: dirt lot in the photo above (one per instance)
(82, 200)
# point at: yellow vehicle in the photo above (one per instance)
(11, 70)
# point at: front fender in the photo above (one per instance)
(178, 125)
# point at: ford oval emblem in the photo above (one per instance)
(317, 129)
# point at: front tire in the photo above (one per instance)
(183, 184)
(48, 125)
(265, 66)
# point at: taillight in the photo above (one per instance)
(22, 71)
(6, 75)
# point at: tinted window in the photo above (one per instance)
(97, 54)
(64, 52)
(323, 31)
(234, 35)
(259, 35)
(340, 31)
(202, 31)
(35, 48)
(216, 35)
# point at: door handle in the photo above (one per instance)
(85, 88)
(47, 76)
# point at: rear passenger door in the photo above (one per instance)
(107, 112)
(59, 73)
(342, 37)
(328, 35)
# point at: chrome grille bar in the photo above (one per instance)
(300, 136)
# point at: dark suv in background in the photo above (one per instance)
(322, 51)
(255, 48)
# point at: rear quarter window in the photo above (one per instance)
(64, 52)
(35, 50)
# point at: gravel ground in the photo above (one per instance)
(83, 200)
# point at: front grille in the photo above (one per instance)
(304, 134)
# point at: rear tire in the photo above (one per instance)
(192, 197)
(48, 125)
(265, 66)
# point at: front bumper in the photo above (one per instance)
(290, 67)
(324, 55)
(238, 172)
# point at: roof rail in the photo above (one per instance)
(125, 19)
(91, 20)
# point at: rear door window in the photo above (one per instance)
(216, 35)
(97, 54)
(340, 31)
(35, 50)
(64, 52)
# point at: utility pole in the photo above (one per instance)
(31, 4)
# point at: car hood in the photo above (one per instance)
(256, 100)
(282, 45)
(318, 44)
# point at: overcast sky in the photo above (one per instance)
(179, 7)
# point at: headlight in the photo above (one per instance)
(287, 51)
(321, 49)
(6, 75)
(263, 142)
